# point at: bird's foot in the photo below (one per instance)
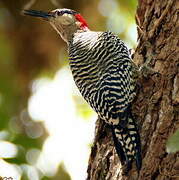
(146, 71)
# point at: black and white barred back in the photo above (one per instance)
(104, 74)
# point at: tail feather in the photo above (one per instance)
(119, 147)
(135, 137)
(127, 143)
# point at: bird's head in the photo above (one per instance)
(65, 21)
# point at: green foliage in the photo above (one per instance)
(173, 143)
(62, 173)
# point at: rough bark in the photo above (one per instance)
(157, 104)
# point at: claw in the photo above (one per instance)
(147, 71)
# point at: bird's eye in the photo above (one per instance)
(59, 13)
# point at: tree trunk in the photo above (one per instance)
(156, 107)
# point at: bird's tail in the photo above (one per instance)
(127, 142)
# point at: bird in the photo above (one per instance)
(105, 76)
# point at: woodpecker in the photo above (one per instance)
(104, 74)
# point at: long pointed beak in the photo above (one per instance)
(40, 14)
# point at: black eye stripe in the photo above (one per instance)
(61, 12)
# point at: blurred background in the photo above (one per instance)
(46, 128)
